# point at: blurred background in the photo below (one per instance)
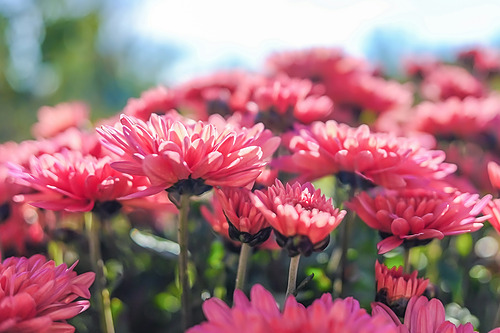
(106, 51)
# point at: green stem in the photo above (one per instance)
(406, 260)
(292, 276)
(245, 252)
(345, 231)
(182, 238)
(92, 226)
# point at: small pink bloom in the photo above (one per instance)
(36, 296)
(415, 217)
(57, 119)
(260, 313)
(191, 157)
(395, 288)
(246, 222)
(482, 61)
(301, 217)
(357, 154)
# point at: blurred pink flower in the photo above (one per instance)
(423, 316)
(73, 182)
(355, 153)
(189, 158)
(301, 217)
(415, 217)
(284, 101)
(261, 314)
(482, 61)
(223, 92)
(472, 118)
(447, 81)
(37, 297)
(395, 288)
(57, 119)
(159, 100)
(349, 81)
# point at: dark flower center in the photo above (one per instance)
(300, 244)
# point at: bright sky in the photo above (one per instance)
(218, 32)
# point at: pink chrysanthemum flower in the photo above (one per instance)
(423, 316)
(301, 217)
(482, 61)
(224, 93)
(76, 183)
(261, 314)
(349, 82)
(415, 217)
(38, 297)
(57, 119)
(355, 154)
(471, 118)
(493, 207)
(446, 81)
(284, 101)
(189, 158)
(159, 100)
(246, 222)
(395, 288)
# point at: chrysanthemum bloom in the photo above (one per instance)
(37, 297)
(415, 217)
(76, 183)
(261, 314)
(246, 222)
(348, 81)
(481, 61)
(472, 118)
(360, 157)
(57, 119)
(493, 207)
(219, 223)
(447, 81)
(395, 288)
(301, 217)
(284, 101)
(189, 158)
(423, 316)
(159, 100)
(224, 93)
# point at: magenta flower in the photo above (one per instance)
(261, 314)
(360, 157)
(37, 297)
(301, 217)
(189, 158)
(76, 183)
(395, 288)
(415, 217)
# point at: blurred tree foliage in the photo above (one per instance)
(49, 53)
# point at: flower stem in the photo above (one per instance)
(92, 226)
(346, 228)
(496, 322)
(245, 252)
(406, 260)
(292, 276)
(182, 238)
